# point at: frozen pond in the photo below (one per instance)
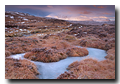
(54, 69)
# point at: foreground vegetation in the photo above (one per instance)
(91, 68)
(51, 40)
(20, 69)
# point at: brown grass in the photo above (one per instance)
(70, 38)
(110, 54)
(56, 41)
(21, 44)
(7, 53)
(91, 41)
(56, 47)
(47, 55)
(20, 69)
(53, 54)
(92, 69)
(77, 52)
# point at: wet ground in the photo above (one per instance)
(54, 69)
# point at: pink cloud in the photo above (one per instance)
(83, 18)
(106, 13)
(88, 12)
(85, 12)
(99, 6)
(49, 6)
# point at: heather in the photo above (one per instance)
(20, 69)
(90, 69)
(49, 41)
(51, 55)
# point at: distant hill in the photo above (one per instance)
(93, 22)
(17, 19)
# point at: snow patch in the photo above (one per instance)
(85, 32)
(22, 22)
(6, 15)
(12, 17)
(6, 28)
(25, 19)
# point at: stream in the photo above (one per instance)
(53, 69)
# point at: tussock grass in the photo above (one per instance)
(92, 69)
(20, 69)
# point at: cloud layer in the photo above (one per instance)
(68, 12)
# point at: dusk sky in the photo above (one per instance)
(68, 12)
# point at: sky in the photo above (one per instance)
(68, 12)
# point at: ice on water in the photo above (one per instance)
(54, 69)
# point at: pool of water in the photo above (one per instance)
(53, 69)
